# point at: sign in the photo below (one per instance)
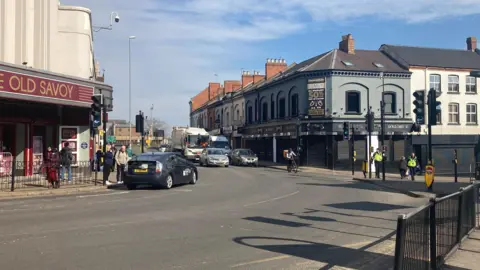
(28, 85)
(316, 97)
(429, 175)
(111, 139)
(69, 134)
(84, 145)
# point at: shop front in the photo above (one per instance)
(39, 110)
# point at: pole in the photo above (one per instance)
(370, 145)
(430, 155)
(129, 93)
(104, 118)
(455, 165)
(142, 132)
(382, 120)
(352, 138)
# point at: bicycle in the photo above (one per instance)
(293, 166)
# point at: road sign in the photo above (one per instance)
(111, 139)
(429, 175)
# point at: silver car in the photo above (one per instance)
(214, 157)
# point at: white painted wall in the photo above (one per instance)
(47, 36)
(420, 80)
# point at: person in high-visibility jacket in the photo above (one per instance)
(377, 158)
(412, 165)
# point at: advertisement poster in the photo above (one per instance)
(316, 97)
(37, 154)
(70, 134)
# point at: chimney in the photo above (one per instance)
(231, 86)
(257, 77)
(213, 90)
(347, 44)
(274, 66)
(246, 78)
(471, 43)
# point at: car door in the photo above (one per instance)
(186, 169)
(203, 156)
(175, 168)
(233, 156)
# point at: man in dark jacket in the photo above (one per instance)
(66, 159)
(107, 164)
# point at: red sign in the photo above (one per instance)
(35, 86)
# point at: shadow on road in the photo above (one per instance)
(309, 211)
(358, 185)
(326, 219)
(368, 206)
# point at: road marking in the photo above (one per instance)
(273, 199)
(184, 190)
(261, 261)
(106, 194)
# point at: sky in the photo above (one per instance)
(182, 45)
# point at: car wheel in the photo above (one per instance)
(169, 182)
(193, 181)
(131, 187)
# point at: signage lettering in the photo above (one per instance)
(29, 85)
(316, 97)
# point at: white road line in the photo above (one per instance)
(261, 261)
(273, 199)
(106, 194)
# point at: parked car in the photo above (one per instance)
(159, 169)
(243, 157)
(214, 157)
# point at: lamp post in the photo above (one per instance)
(130, 90)
(382, 123)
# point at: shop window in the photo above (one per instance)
(281, 108)
(250, 115)
(265, 111)
(390, 103)
(272, 109)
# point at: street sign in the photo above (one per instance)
(429, 175)
(111, 139)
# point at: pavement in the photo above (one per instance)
(466, 256)
(233, 218)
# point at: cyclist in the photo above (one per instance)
(290, 157)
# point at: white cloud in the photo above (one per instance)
(181, 43)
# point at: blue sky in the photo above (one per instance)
(181, 44)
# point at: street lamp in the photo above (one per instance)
(113, 17)
(130, 90)
(382, 123)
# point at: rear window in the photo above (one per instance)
(215, 152)
(150, 157)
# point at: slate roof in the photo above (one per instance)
(432, 57)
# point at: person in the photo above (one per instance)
(403, 167)
(121, 158)
(66, 159)
(107, 164)
(377, 158)
(412, 165)
(98, 161)
(290, 156)
(48, 160)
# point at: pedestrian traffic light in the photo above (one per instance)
(346, 130)
(434, 107)
(370, 121)
(419, 104)
(96, 111)
(139, 123)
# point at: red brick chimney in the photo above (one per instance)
(274, 66)
(231, 86)
(471, 43)
(347, 44)
(257, 77)
(246, 78)
(213, 90)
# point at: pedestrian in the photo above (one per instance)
(98, 156)
(412, 165)
(377, 158)
(48, 160)
(129, 151)
(403, 167)
(107, 164)
(66, 159)
(121, 158)
(114, 151)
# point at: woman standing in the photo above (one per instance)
(403, 167)
(107, 165)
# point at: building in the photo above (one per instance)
(122, 134)
(448, 72)
(47, 79)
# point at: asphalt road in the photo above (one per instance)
(233, 218)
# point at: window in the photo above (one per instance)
(265, 111)
(471, 86)
(347, 63)
(227, 118)
(453, 113)
(250, 114)
(472, 113)
(453, 85)
(439, 117)
(390, 103)
(238, 114)
(272, 110)
(256, 110)
(281, 108)
(378, 65)
(435, 82)
(294, 105)
(353, 102)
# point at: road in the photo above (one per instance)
(233, 218)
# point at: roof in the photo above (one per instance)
(432, 57)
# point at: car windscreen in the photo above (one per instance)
(215, 152)
(245, 152)
(197, 141)
(220, 144)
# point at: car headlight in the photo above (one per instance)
(244, 158)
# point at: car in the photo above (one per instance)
(214, 157)
(159, 169)
(243, 157)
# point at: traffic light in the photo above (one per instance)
(96, 111)
(370, 121)
(419, 104)
(346, 130)
(139, 123)
(434, 107)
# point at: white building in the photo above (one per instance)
(46, 35)
(447, 71)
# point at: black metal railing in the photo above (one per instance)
(426, 236)
(32, 174)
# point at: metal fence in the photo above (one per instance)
(38, 174)
(426, 236)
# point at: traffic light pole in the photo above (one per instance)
(370, 118)
(382, 124)
(105, 120)
(142, 132)
(352, 138)
(431, 92)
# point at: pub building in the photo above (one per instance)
(41, 109)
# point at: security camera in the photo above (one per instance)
(117, 18)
